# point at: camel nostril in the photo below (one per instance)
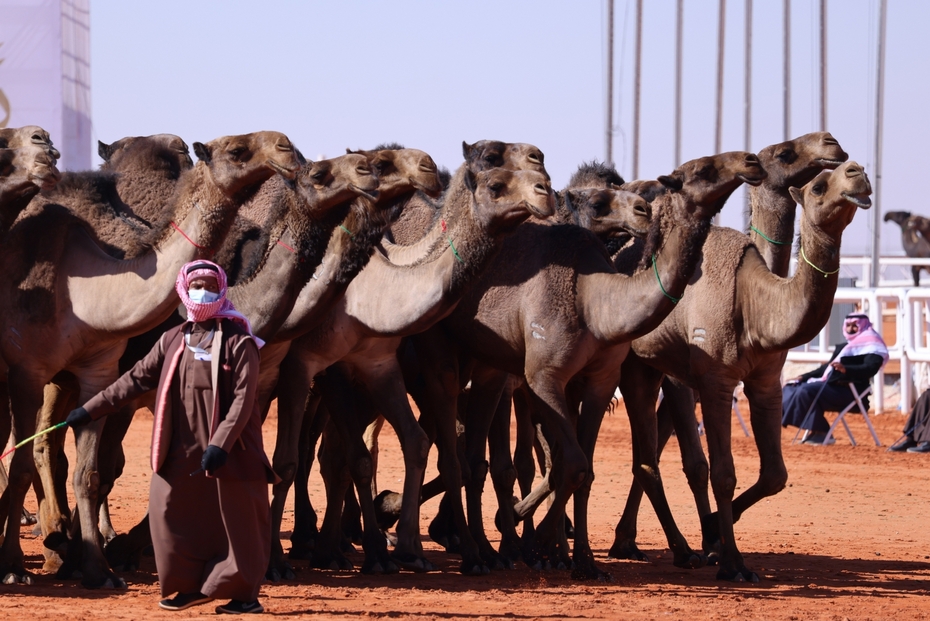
(363, 170)
(540, 189)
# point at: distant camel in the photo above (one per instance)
(914, 231)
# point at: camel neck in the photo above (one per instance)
(772, 226)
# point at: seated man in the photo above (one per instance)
(917, 428)
(856, 362)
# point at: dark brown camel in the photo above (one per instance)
(915, 242)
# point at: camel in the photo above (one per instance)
(433, 273)
(15, 137)
(547, 310)
(790, 164)
(400, 172)
(53, 306)
(915, 243)
(767, 314)
(24, 172)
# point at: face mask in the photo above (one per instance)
(202, 296)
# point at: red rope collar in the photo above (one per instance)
(193, 243)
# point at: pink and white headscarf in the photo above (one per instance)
(221, 308)
(865, 341)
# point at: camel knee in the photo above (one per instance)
(773, 482)
(287, 471)
(725, 486)
(504, 476)
(697, 474)
(416, 450)
(362, 468)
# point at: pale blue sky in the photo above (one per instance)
(432, 74)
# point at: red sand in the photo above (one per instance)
(847, 539)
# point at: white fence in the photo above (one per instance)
(912, 319)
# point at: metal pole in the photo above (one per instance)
(879, 113)
(823, 65)
(721, 27)
(609, 134)
(747, 98)
(679, 37)
(787, 71)
(636, 87)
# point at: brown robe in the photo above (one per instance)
(210, 534)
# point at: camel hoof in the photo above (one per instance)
(538, 566)
(738, 575)
(14, 578)
(474, 570)
(690, 561)
(114, 583)
(627, 552)
(561, 566)
(390, 539)
(375, 569)
(412, 562)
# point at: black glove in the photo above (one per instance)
(78, 418)
(213, 459)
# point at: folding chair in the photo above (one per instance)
(856, 404)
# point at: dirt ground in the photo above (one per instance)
(847, 539)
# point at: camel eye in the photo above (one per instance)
(818, 189)
(496, 187)
(536, 158)
(493, 159)
(238, 152)
(319, 175)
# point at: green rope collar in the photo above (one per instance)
(806, 260)
(351, 234)
(767, 238)
(659, 280)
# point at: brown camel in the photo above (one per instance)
(789, 164)
(744, 335)
(364, 336)
(52, 305)
(15, 137)
(24, 171)
(914, 241)
(558, 327)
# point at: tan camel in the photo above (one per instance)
(914, 242)
(53, 307)
(703, 346)
(790, 164)
(15, 137)
(561, 330)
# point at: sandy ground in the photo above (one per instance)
(847, 539)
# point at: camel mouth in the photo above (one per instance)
(830, 164)
(369, 194)
(859, 200)
(433, 190)
(753, 181)
(288, 173)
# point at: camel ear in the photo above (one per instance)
(672, 183)
(300, 157)
(467, 150)
(569, 196)
(104, 150)
(797, 195)
(202, 152)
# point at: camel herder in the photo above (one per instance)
(208, 501)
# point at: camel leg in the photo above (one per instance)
(716, 405)
(487, 386)
(336, 480)
(352, 408)
(293, 391)
(764, 394)
(504, 474)
(95, 571)
(569, 464)
(305, 533)
(125, 550)
(59, 397)
(381, 375)
(25, 401)
(639, 384)
(372, 432)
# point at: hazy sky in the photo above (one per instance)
(432, 74)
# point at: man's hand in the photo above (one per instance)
(213, 459)
(78, 418)
(838, 366)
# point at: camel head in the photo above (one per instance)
(919, 224)
(795, 162)
(402, 171)
(236, 163)
(609, 214)
(27, 170)
(830, 201)
(157, 152)
(328, 183)
(15, 137)
(709, 181)
(505, 198)
(647, 189)
(595, 174)
(488, 154)
(898, 217)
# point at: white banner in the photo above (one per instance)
(45, 72)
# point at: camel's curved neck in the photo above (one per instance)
(772, 226)
(140, 292)
(618, 307)
(788, 312)
(410, 298)
(12, 204)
